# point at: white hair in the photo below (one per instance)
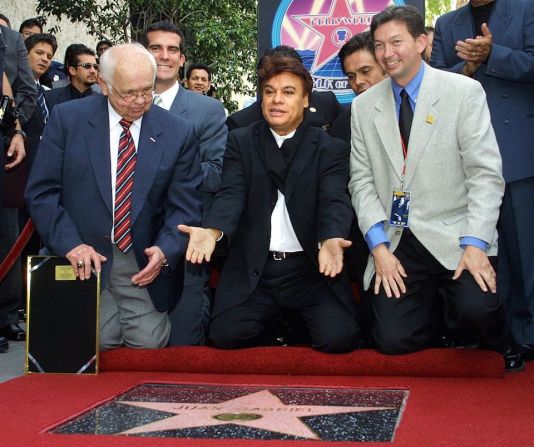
(120, 54)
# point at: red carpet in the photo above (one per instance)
(305, 361)
(440, 411)
(490, 410)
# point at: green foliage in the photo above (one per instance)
(220, 33)
(435, 8)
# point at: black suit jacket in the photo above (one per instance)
(323, 110)
(60, 95)
(316, 197)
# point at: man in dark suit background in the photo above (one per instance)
(284, 195)
(166, 43)
(499, 53)
(112, 179)
(82, 69)
(321, 112)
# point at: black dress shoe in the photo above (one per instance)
(13, 332)
(513, 360)
(526, 350)
(4, 345)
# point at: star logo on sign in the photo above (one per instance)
(260, 410)
(334, 29)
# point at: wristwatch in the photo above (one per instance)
(20, 132)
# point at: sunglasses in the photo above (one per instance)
(88, 65)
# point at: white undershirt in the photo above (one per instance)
(167, 97)
(115, 130)
(283, 237)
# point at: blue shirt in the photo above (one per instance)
(376, 234)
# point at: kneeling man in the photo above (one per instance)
(284, 195)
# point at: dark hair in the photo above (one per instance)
(406, 14)
(5, 19)
(30, 23)
(198, 67)
(31, 41)
(168, 27)
(280, 50)
(361, 41)
(103, 42)
(275, 65)
(72, 55)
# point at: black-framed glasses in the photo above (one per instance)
(132, 96)
(88, 66)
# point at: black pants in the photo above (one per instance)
(409, 323)
(294, 284)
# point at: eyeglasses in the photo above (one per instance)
(146, 95)
(88, 66)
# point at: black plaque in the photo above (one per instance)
(62, 332)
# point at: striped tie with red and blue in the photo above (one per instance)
(126, 160)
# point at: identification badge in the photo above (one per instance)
(400, 208)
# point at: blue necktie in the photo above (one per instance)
(42, 103)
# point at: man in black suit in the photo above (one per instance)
(82, 69)
(322, 111)
(284, 195)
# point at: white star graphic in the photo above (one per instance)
(261, 410)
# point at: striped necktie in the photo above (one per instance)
(42, 103)
(126, 160)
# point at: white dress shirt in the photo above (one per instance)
(283, 237)
(167, 97)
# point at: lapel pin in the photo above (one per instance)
(152, 139)
(430, 119)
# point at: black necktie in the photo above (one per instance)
(405, 117)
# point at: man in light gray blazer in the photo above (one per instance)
(166, 42)
(426, 185)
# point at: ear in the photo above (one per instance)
(306, 101)
(72, 71)
(182, 59)
(103, 86)
(421, 42)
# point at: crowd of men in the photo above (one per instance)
(420, 192)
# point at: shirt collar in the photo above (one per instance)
(413, 86)
(168, 95)
(114, 118)
(281, 138)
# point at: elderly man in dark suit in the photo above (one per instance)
(499, 53)
(284, 195)
(112, 179)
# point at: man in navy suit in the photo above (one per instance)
(499, 53)
(166, 43)
(112, 179)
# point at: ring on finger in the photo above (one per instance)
(80, 264)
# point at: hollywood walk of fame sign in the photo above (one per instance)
(318, 29)
(207, 411)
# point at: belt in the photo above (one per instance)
(281, 255)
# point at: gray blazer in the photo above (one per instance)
(209, 120)
(453, 171)
(19, 73)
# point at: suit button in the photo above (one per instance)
(506, 121)
(505, 96)
(255, 273)
(398, 232)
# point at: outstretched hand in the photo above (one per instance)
(331, 256)
(201, 243)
